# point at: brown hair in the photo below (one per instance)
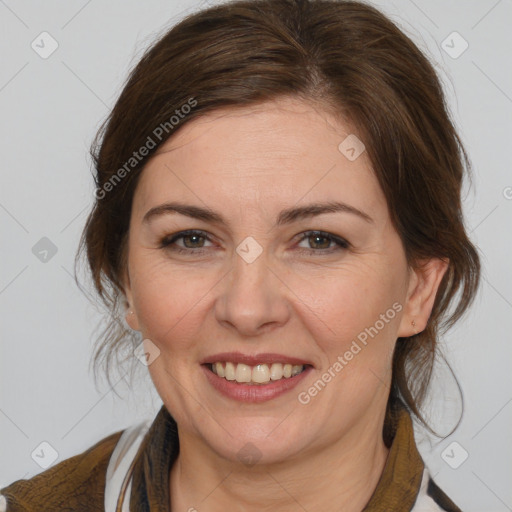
(354, 61)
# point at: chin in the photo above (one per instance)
(255, 441)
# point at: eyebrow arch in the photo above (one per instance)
(286, 216)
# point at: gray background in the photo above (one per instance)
(50, 110)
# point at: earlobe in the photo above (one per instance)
(130, 316)
(131, 319)
(423, 286)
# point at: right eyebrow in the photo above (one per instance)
(196, 212)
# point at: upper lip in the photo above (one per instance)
(252, 360)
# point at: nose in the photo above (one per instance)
(253, 297)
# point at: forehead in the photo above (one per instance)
(260, 157)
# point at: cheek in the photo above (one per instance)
(358, 300)
(168, 301)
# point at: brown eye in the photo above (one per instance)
(319, 241)
(316, 241)
(192, 241)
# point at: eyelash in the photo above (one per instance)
(166, 242)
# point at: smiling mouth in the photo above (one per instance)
(258, 374)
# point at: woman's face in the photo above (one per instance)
(256, 282)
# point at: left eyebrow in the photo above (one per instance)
(292, 214)
(286, 216)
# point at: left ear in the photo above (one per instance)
(424, 281)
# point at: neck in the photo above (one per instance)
(342, 476)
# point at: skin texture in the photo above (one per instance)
(305, 298)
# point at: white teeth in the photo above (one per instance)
(219, 370)
(259, 374)
(296, 369)
(230, 371)
(276, 371)
(243, 373)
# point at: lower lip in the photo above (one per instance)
(254, 392)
